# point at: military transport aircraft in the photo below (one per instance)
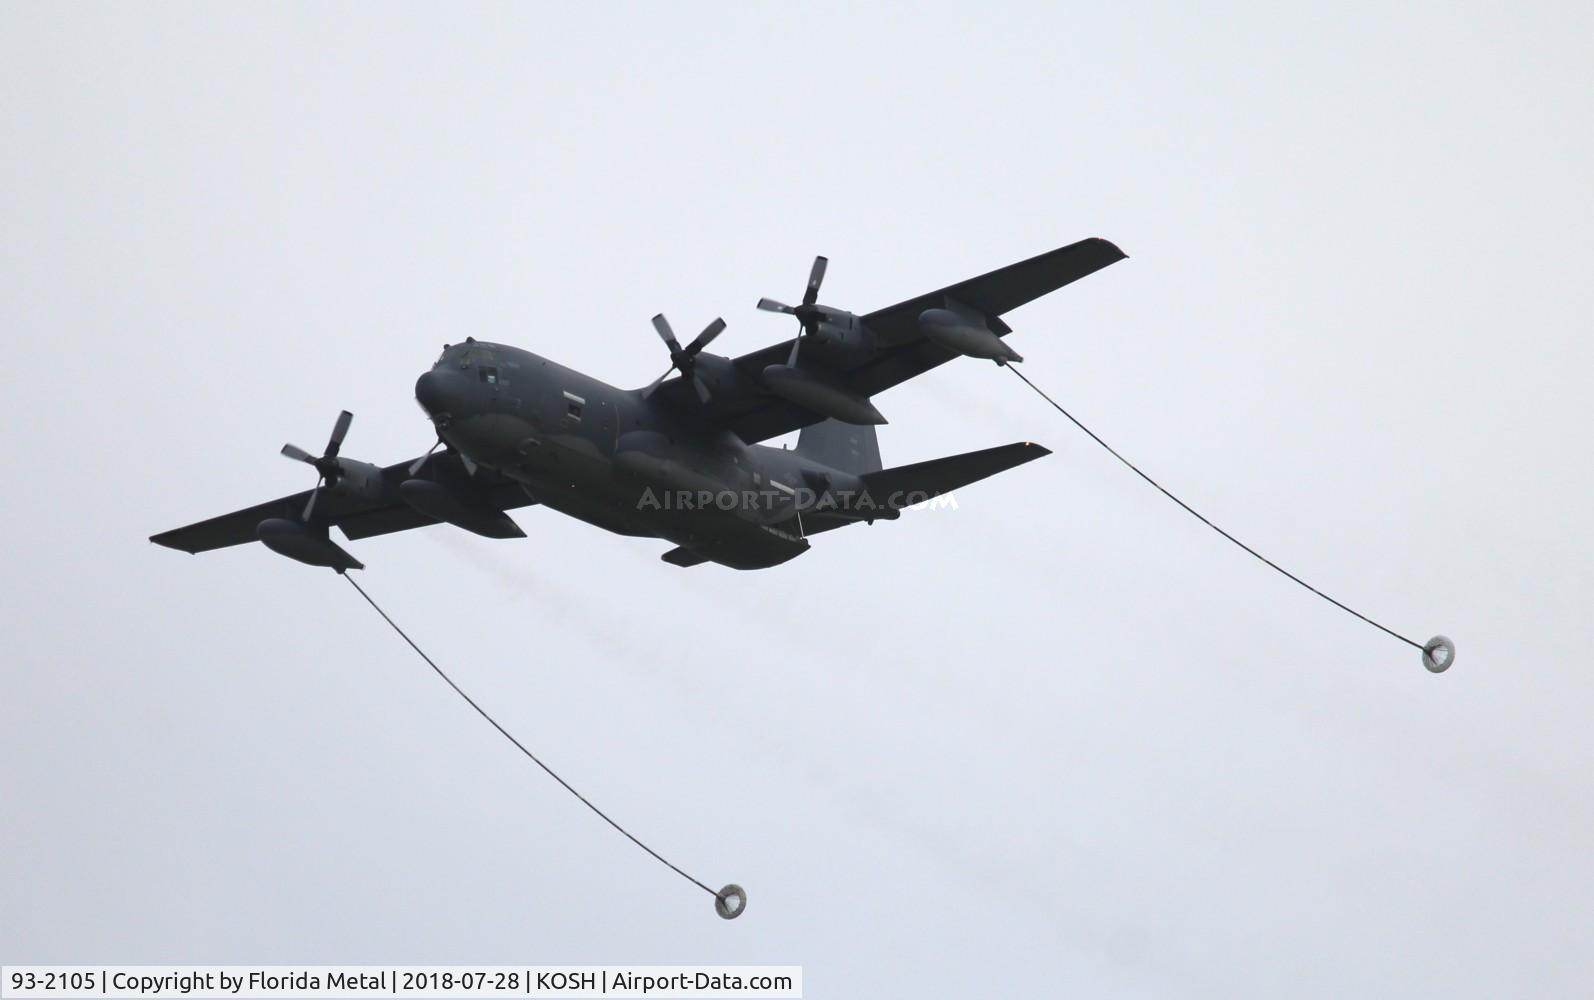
(680, 458)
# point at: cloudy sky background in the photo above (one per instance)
(1063, 739)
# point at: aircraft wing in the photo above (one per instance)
(901, 351)
(1003, 289)
(357, 517)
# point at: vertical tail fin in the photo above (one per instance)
(850, 448)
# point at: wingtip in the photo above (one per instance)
(166, 541)
(1110, 245)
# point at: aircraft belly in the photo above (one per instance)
(583, 485)
(727, 538)
(590, 489)
(567, 472)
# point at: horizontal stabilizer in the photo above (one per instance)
(910, 484)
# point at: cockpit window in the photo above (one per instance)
(470, 354)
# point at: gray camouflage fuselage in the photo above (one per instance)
(628, 464)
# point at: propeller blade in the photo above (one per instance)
(702, 390)
(791, 360)
(770, 305)
(815, 276)
(310, 506)
(705, 338)
(470, 467)
(657, 382)
(298, 454)
(339, 431)
(666, 334)
(415, 466)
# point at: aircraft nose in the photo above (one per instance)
(433, 392)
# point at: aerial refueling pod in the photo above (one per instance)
(300, 541)
(812, 392)
(965, 332)
(462, 510)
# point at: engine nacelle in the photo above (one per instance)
(842, 331)
(721, 375)
(356, 479)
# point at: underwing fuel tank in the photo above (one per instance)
(813, 393)
(308, 545)
(965, 335)
(458, 509)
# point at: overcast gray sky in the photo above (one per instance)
(1061, 740)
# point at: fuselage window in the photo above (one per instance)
(489, 374)
(574, 410)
